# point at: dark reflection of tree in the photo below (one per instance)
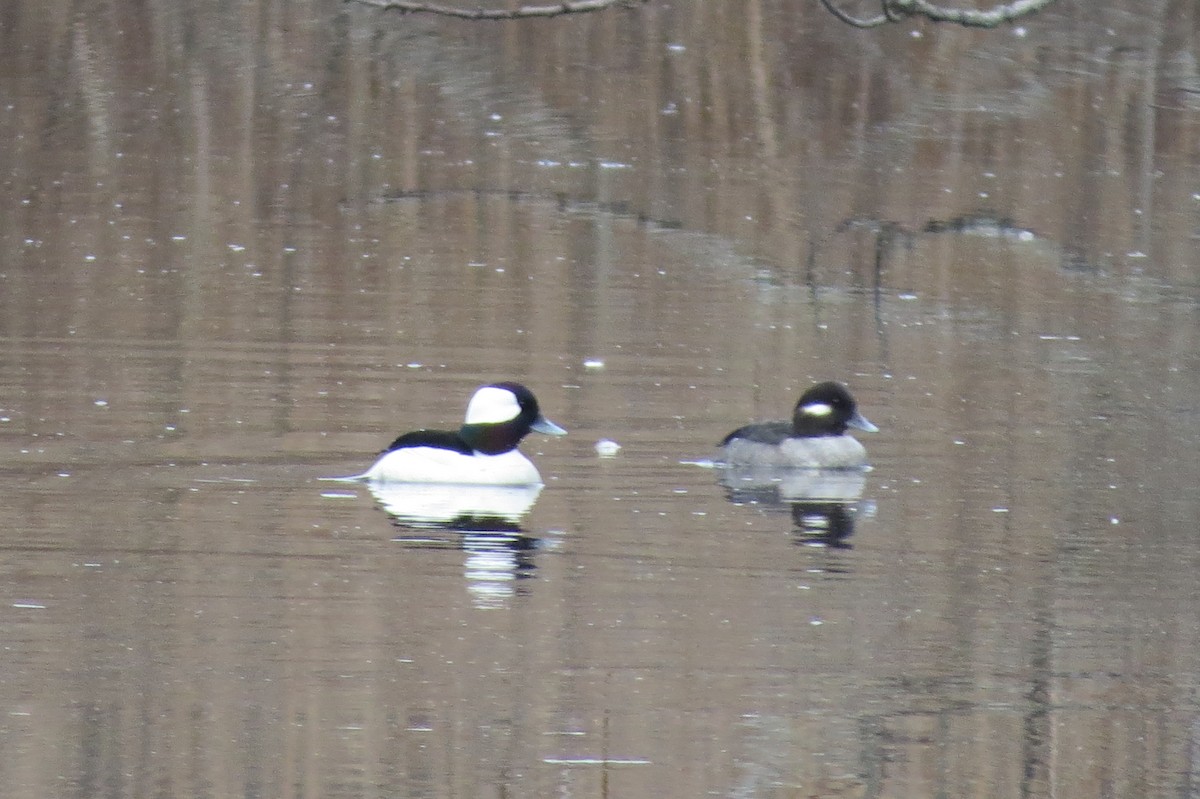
(1035, 738)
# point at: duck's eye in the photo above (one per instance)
(817, 409)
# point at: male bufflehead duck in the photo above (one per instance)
(815, 438)
(481, 452)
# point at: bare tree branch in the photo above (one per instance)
(892, 11)
(896, 10)
(970, 17)
(522, 12)
(855, 21)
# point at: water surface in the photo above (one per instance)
(241, 250)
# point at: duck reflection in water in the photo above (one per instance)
(484, 522)
(455, 507)
(823, 504)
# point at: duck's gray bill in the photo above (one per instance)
(544, 425)
(858, 421)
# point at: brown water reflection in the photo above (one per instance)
(241, 248)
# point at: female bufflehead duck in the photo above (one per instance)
(815, 438)
(481, 452)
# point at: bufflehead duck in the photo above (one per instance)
(481, 452)
(815, 438)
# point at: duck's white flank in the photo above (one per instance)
(433, 465)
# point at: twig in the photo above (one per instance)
(970, 17)
(522, 12)
(855, 21)
(897, 10)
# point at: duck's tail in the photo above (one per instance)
(354, 478)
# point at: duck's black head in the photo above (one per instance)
(827, 409)
(500, 415)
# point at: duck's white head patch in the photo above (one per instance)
(820, 409)
(491, 405)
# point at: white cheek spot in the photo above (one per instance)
(817, 409)
(491, 404)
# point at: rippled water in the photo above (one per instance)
(233, 264)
